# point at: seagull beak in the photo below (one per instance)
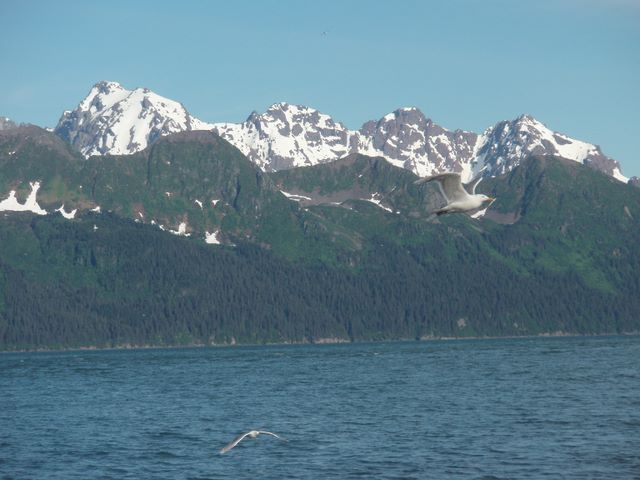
(492, 199)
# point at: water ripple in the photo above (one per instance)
(528, 408)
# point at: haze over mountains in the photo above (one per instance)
(113, 120)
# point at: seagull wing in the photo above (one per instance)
(450, 186)
(272, 434)
(234, 442)
(471, 186)
(428, 179)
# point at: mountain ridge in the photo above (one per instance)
(113, 120)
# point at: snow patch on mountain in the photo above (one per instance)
(212, 238)
(182, 230)
(68, 215)
(295, 196)
(11, 204)
(376, 201)
(617, 174)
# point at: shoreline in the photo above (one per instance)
(320, 341)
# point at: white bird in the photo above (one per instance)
(458, 199)
(242, 436)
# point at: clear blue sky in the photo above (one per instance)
(573, 64)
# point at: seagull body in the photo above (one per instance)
(242, 436)
(458, 199)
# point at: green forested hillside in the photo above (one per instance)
(558, 251)
(68, 285)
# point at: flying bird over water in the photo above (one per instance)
(242, 436)
(458, 199)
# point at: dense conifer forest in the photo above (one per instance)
(130, 284)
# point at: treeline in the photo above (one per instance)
(68, 284)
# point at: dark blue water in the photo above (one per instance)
(526, 408)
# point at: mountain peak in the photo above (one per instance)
(506, 144)
(526, 118)
(292, 109)
(529, 121)
(107, 85)
(409, 112)
(114, 120)
(286, 136)
(407, 115)
(278, 106)
(102, 95)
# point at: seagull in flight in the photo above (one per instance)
(458, 199)
(242, 436)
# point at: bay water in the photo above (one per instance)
(469, 409)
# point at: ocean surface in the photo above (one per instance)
(479, 409)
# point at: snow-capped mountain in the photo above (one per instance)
(504, 145)
(288, 136)
(408, 139)
(113, 120)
